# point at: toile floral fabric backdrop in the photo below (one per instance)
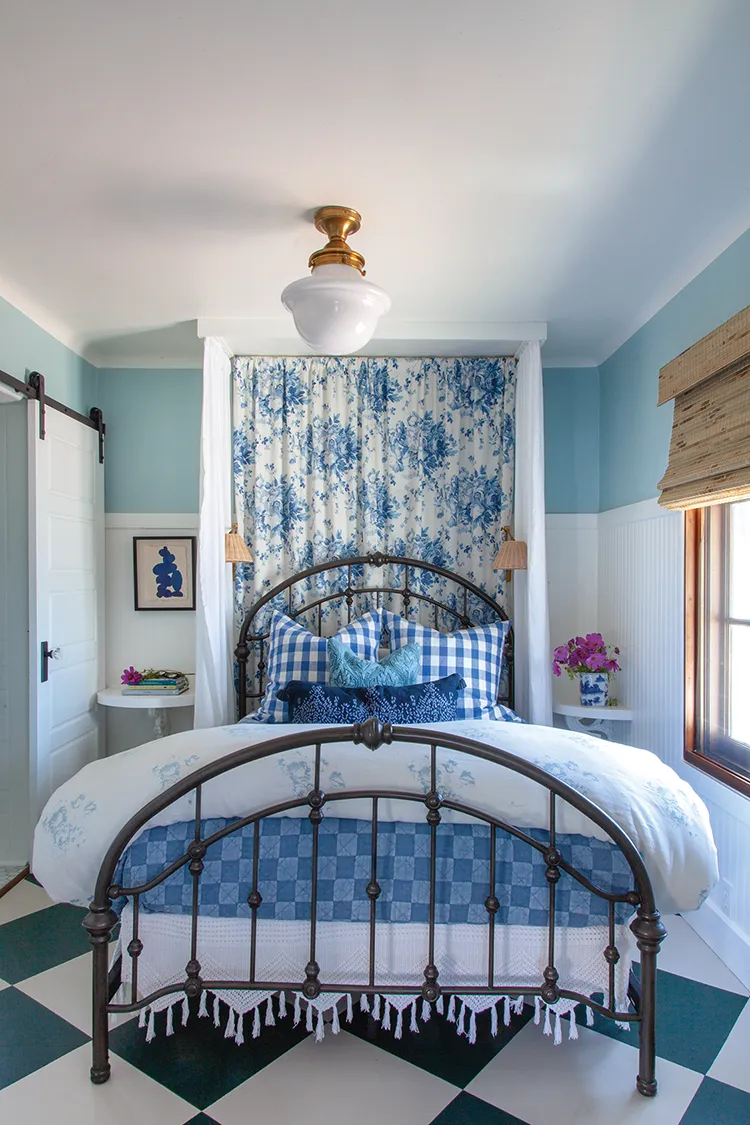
(343, 456)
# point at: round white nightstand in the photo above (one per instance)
(156, 705)
(601, 719)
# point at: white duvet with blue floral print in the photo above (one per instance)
(664, 818)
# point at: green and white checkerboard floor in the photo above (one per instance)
(363, 1074)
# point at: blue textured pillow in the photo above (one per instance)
(346, 669)
(321, 703)
(434, 702)
(416, 703)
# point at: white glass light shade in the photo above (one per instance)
(335, 310)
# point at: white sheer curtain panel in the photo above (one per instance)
(530, 602)
(214, 689)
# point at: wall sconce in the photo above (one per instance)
(235, 549)
(513, 555)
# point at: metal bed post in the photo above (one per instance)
(99, 923)
(649, 931)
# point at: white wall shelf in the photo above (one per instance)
(601, 720)
(156, 705)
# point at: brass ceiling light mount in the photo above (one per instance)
(337, 223)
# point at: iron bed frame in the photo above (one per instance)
(101, 919)
(252, 644)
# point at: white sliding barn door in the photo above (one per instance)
(66, 584)
(14, 634)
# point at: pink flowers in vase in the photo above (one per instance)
(585, 654)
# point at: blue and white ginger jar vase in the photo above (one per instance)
(594, 688)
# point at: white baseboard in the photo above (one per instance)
(722, 936)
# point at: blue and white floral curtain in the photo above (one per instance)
(336, 457)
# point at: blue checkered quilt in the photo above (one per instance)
(344, 870)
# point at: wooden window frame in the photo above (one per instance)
(698, 630)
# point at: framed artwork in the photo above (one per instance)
(164, 572)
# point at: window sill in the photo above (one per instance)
(728, 780)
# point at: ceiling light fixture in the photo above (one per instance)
(335, 310)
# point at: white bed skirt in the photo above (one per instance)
(342, 949)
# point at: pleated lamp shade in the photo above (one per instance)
(235, 547)
(513, 555)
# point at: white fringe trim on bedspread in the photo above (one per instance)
(460, 950)
(391, 1011)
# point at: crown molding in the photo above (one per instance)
(552, 363)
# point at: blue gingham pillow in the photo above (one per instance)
(296, 654)
(476, 654)
(507, 715)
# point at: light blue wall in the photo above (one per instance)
(152, 417)
(25, 347)
(153, 439)
(571, 439)
(635, 432)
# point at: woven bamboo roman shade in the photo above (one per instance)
(709, 454)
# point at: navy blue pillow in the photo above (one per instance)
(434, 702)
(321, 703)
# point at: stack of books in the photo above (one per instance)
(158, 682)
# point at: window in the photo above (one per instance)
(717, 642)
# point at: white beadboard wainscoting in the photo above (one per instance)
(143, 638)
(640, 610)
(573, 582)
(641, 590)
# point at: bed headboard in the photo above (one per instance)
(357, 584)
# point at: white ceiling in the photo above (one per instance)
(568, 161)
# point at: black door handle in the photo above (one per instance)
(47, 655)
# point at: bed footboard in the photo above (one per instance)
(647, 927)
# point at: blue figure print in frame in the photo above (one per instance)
(168, 576)
(164, 572)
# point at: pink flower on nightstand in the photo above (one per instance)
(130, 676)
